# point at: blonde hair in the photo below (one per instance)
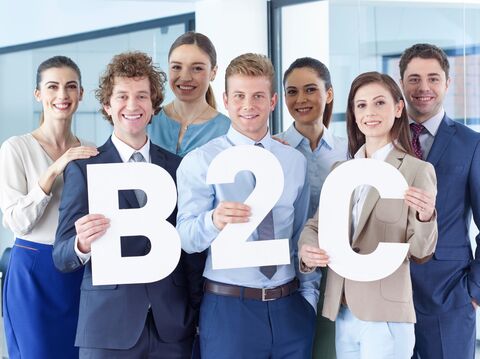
(254, 65)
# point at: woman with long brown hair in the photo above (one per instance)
(376, 319)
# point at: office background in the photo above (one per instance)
(350, 36)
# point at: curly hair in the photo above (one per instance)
(131, 65)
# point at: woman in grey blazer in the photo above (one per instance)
(375, 319)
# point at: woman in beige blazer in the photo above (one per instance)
(375, 319)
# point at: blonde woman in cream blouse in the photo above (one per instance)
(40, 303)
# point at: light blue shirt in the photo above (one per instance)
(197, 201)
(164, 132)
(330, 149)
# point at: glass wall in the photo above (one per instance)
(20, 113)
(354, 36)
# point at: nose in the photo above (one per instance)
(131, 103)
(247, 103)
(185, 74)
(423, 85)
(301, 98)
(62, 92)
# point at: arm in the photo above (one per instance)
(473, 278)
(199, 218)
(309, 282)
(21, 208)
(422, 232)
(73, 205)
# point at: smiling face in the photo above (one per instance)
(190, 72)
(59, 92)
(424, 85)
(306, 96)
(130, 109)
(249, 102)
(375, 112)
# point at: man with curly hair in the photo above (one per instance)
(154, 320)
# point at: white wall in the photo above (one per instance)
(235, 27)
(24, 21)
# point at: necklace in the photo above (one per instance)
(188, 123)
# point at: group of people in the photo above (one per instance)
(425, 309)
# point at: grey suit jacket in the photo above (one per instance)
(383, 220)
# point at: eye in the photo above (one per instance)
(291, 92)
(259, 96)
(310, 89)
(239, 96)
(175, 67)
(434, 79)
(72, 87)
(52, 87)
(360, 105)
(122, 97)
(380, 103)
(413, 81)
(198, 68)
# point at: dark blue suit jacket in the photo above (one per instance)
(452, 277)
(113, 316)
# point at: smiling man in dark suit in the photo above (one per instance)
(154, 320)
(446, 289)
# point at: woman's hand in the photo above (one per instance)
(73, 153)
(313, 257)
(422, 201)
(47, 180)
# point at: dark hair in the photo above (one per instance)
(322, 72)
(254, 65)
(131, 65)
(56, 62)
(399, 133)
(204, 44)
(424, 51)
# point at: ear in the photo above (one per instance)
(225, 100)
(399, 108)
(448, 83)
(273, 101)
(36, 94)
(329, 95)
(213, 73)
(81, 94)
(108, 109)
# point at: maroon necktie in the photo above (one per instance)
(416, 129)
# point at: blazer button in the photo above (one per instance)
(356, 249)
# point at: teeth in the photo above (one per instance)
(132, 117)
(183, 87)
(249, 117)
(372, 123)
(61, 106)
(304, 109)
(423, 98)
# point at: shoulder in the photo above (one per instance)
(462, 130)
(288, 154)
(169, 156)
(203, 155)
(18, 142)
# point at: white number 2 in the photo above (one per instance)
(230, 249)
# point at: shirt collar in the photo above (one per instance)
(126, 151)
(433, 123)
(236, 138)
(380, 154)
(294, 138)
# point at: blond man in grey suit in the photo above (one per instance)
(375, 319)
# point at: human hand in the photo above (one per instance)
(89, 228)
(422, 201)
(313, 256)
(73, 153)
(230, 212)
(280, 140)
(475, 304)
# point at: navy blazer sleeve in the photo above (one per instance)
(474, 193)
(73, 205)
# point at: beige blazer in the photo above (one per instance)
(382, 220)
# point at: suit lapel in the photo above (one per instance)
(445, 132)
(157, 156)
(126, 199)
(395, 158)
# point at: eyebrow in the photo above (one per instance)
(430, 74)
(57, 83)
(375, 98)
(195, 63)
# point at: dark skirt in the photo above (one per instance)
(40, 304)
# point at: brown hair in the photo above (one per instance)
(204, 44)
(424, 51)
(56, 62)
(399, 133)
(254, 65)
(322, 73)
(131, 65)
